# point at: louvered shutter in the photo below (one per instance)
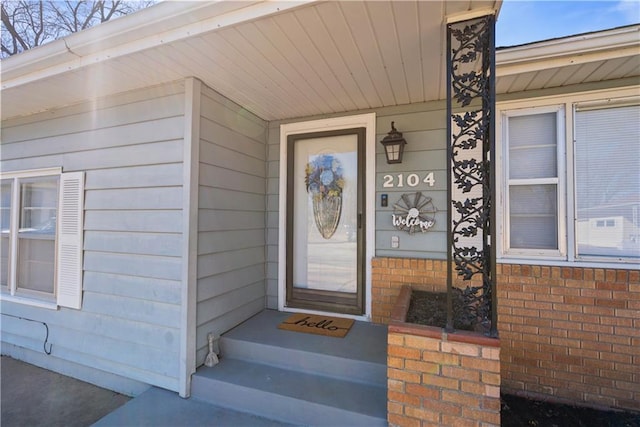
(70, 237)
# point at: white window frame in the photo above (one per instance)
(558, 181)
(67, 286)
(566, 173)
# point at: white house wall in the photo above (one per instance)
(231, 226)
(126, 335)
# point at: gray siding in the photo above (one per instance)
(231, 225)
(424, 128)
(127, 333)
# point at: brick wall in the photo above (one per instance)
(388, 275)
(439, 379)
(567, 333)
(571, 333)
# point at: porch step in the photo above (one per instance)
(290, 396)
(361, 356)
(299, 378)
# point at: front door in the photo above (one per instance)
(325, 224)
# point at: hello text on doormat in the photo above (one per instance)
(315, 324)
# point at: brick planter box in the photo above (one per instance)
(436, 378)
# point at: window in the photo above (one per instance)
(607, 151)
(571, 186)
(41, 235)
(534, 153)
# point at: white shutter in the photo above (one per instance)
(70, 237)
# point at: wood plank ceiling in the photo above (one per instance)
(320, 58)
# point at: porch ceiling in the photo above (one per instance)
(288, 59)
(277, 59)
(584, 58)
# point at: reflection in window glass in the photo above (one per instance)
(5, 223)
(608, 182)
(36, 234)
(533, 181)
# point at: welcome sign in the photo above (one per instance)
(413, 212)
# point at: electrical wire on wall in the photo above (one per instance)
(46, 327)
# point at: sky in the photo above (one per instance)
(525, 21)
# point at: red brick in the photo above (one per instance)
(407, 353)
(619, 358)
(622, 276)
(490, 403)
(442, 407)
(583, 336)
(422, 343)
(395, 408)
(594, 345)
(480, 364)
(423, 391)
(617, 348)
(424, 415)
(455, 421)
(395, 385)
(402, 421)
(602, 311)
(596, 293)
(568, 359)
(490, 417)
(403, 375)
(580, 300)
(442, 358)
(631, 332)
(617, 321)
(490, 378)
(612, 286)
(439, 381)
(403, 398)
(422, 367)
(583, 353)
(395, 362)
(565, 291)
(610, 303)
(395, 339)
(460, 373)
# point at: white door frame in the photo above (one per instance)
(368, 121)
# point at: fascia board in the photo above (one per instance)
(580, 49)
(133, 33)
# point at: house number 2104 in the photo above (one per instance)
(412, 180)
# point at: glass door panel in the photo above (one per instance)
(325, 184)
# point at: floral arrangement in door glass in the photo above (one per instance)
(325, 181)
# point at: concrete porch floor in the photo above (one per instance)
(32, 396)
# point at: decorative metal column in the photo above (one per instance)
(471, 181)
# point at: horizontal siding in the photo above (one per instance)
(146, 288)
(231, 223)
(131, 148)
(163, 244)
(99, 139)
(152, 175)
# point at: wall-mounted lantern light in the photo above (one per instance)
(393, 145)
